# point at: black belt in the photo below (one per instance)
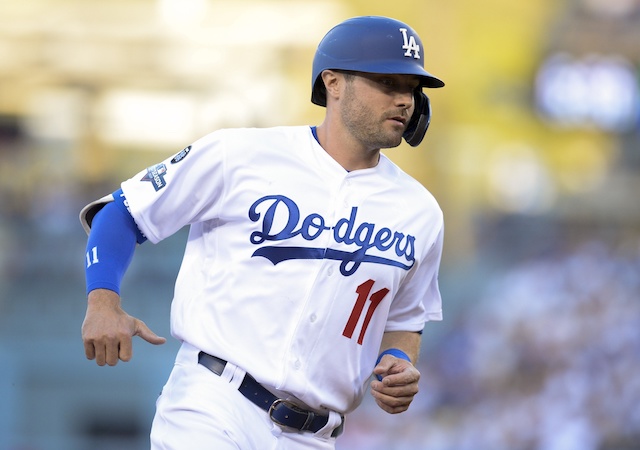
(282, 412)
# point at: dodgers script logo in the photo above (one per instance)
(364, 236)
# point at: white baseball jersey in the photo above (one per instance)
(294, 267)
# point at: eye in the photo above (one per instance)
(387, 82)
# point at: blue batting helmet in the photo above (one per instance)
(370, 44)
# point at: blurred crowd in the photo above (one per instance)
(546, 358)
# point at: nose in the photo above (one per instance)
(404, 98)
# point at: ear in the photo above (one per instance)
(331, 82)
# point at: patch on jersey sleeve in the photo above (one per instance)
(155, 175)
(180, 156)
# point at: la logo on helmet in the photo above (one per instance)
(410, 44)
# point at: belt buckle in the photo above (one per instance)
(292, 406)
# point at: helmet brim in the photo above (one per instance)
(427, 80)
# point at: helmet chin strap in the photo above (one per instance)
(419, 122)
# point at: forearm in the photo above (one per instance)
(407, 341)
(396, 379)
(103, 298)
(107, 329)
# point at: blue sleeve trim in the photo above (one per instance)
(110, 246)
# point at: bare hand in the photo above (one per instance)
(399, 384)
(107, 329)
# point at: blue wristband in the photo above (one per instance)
(393, 352)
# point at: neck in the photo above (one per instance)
(345, 150)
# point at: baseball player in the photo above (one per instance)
(311, 264)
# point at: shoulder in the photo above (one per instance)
(413, 190)
(253, 146)
(240, 136)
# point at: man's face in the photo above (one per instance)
(376, 108)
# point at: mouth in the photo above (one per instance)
(400, 120)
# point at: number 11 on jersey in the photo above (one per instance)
(363, 292)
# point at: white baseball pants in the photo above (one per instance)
(200, 410)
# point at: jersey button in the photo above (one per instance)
(313, 318)
(330, 271)
(297, 364)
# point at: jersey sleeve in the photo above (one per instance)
(88, 213)
(418, 300)
(178, 191)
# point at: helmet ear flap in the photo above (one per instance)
(319, 93)
(419, 122)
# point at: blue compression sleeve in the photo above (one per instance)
(111, 245)
(121, 201)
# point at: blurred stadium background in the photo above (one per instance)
(533, 153)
